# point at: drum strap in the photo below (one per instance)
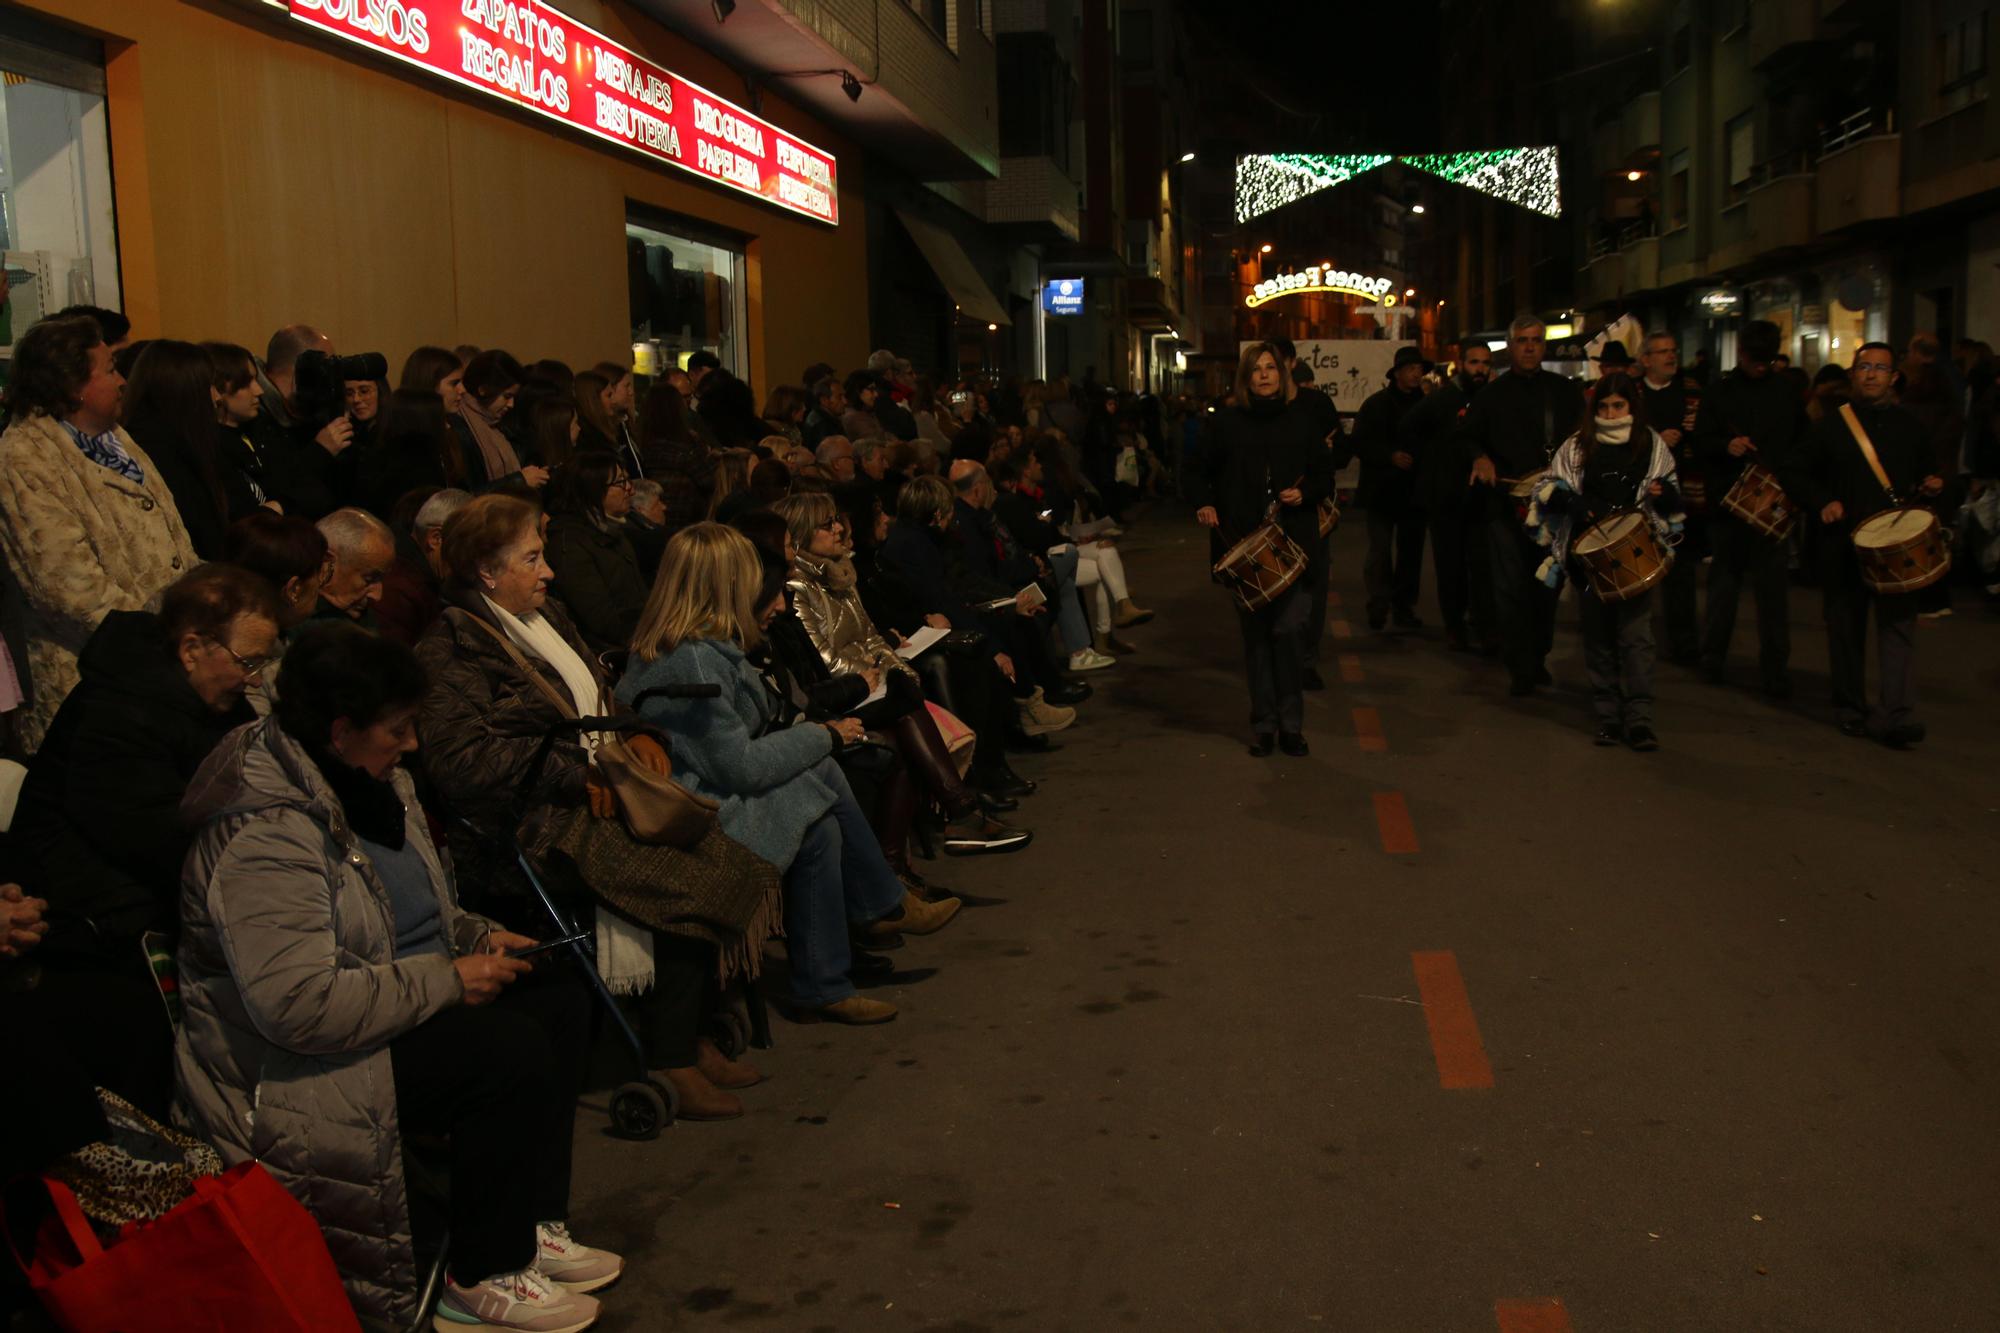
(1854, 428)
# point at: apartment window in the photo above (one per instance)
(1135, 40)
(1677, 189)
(687, 294)
(1961, 54)
(1682, 47)
(1731, 15)
(1739, 142)
(932, 12)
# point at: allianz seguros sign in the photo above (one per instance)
(533, 56)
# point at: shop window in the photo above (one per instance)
(58, 228)
(687, 296)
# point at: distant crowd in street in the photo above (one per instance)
(322, 677)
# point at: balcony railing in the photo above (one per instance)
(1866, 123)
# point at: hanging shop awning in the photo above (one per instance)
(954, 269)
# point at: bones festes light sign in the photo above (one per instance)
(1320, 278)
(533, 56)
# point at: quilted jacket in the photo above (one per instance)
(835, 619)
(292, 992)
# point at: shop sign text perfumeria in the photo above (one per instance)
(534, 56)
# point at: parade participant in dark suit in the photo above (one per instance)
(1833, 477)
(1751, 415)
(1507, 436)
(1395, 569)
(1672, 401)
(1325, 417)
(1458, 545)
(1260, 455)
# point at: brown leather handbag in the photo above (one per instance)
(654, 808)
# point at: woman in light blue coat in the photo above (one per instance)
(781, 792)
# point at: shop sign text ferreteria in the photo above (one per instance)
(537, 57)
(1320, 278)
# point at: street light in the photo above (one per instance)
(1187, 157)
(1416, 208)
(1264, 249)
(993, 328)
(1633, 175)
(1409, 292)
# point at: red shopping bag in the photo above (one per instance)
(237, 1254)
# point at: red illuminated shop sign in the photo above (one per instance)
(533, 56)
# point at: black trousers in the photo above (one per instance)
(1315, 581)
(1274, 661)
(1679, 614)
(1847, 601)
(501, 1081)
(1523, 606)
(1465, 591)
(1618, 657)
(1742, 555)
(1394, 571)
(683, 993)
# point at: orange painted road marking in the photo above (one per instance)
(1537, 1316)
(1350, 669)
(1339, 629)
(1461, 1055)
(1368, 730)
(1392, 820)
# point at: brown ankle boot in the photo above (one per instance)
(1126, 615)
(722, 1071)
(700, 1099)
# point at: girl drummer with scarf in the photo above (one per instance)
(1613, 461)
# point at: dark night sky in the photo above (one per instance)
(1361, 72)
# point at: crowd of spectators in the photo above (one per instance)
(296, 656)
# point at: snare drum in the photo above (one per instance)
(1620, 557)
(1259, 568)
(1329, 516)
(1901, 550)
(1760, 501)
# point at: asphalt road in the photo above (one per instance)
(1723, 1057)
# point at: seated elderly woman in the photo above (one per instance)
(507, 669)
(828, 607)
(782, 794)
(158, 692)
(337, 999)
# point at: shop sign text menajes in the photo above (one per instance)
(534, 56)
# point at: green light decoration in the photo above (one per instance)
(1524, 176)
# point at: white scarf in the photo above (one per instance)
(1614, 430)
(624, 950)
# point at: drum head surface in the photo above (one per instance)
(1608, 531)
(1893, 527)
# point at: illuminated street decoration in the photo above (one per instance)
(1524, 176)
(1320, 278)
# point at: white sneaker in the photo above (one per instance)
(524, 1301)
(562, 1258)
(1089, 659)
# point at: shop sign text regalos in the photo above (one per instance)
(534, 56)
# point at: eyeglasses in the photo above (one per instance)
(251, 667)
(831, 525)
(621, 483)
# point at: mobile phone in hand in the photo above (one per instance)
(547, 945)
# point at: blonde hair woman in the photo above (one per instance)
(782, 795)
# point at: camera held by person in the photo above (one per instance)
(321, 392)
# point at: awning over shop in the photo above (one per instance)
(954, 269)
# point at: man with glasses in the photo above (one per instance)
(1752, 416)
(1833, 477)
(1457, 545)
(1508, 435)
(362, 548)
(1673, 402)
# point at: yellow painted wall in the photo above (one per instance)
(265, 175)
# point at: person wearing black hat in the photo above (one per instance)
(1750, 416)
(1507, 435)
(1613, 359)
(1388, 491)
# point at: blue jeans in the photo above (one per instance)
(838, 878)
(1071, 627)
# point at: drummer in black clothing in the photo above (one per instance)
(1395, 569)
(1507, 434)
(1458, 535)
(1832, 477)
(1751, 415)
(1672, 402)
(1325, 418)
(1259, 455)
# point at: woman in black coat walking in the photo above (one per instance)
(1261, 457)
